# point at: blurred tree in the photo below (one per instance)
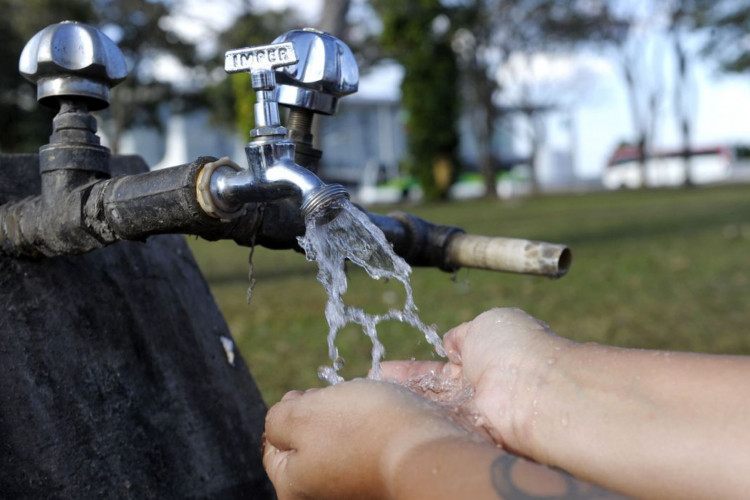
(681, 18)
(723, 26)
(148, 41)
(642, 61)
(656, 32)
(727, 22)
(491, 32)
(418, 35)
(24, 126)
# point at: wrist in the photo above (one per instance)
(409, 448)
(445, 467)
(534, 399)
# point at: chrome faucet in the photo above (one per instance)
(272, 173)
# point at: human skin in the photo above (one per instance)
(645, 423)
(367, 439)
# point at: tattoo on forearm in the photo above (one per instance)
(501, 473)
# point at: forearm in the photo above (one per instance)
(461, 468)
(645, 423)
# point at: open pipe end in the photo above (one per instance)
(323, 204)
(564, 260)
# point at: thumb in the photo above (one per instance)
(276, 463)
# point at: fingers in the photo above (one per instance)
(492, 322)
(401, 372)
(453, 342)
(275, 461)
(291, 395)
(281, 422)
(510, 318)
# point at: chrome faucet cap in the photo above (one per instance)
(72, 60)
(326, 71)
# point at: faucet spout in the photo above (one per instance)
(274, 175)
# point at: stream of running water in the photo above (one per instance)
(352, 236)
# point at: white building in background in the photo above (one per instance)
(186, 136)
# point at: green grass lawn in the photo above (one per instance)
(652, 269)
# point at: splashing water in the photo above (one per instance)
(352, 236)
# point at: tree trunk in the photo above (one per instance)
(485, 126)
(537, 139)
(628, 71)
(682, 105)
(686, 152)
(333, 17)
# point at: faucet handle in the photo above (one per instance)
(259, 59)
(261, 62)
(73, 61)
(326, 71)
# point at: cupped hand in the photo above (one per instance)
(346, 441)
(496, 364)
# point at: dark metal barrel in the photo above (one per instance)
(116, 373)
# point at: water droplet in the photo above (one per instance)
(328, 374)
(551, 361)
(564, 421)
(338, 363)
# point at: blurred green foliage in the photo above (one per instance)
(726, 24)
(413, 36)
(651, 269)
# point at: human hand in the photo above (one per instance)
(347, 441)
(503, 355)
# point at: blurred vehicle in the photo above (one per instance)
(510, 183)
(667, 168)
